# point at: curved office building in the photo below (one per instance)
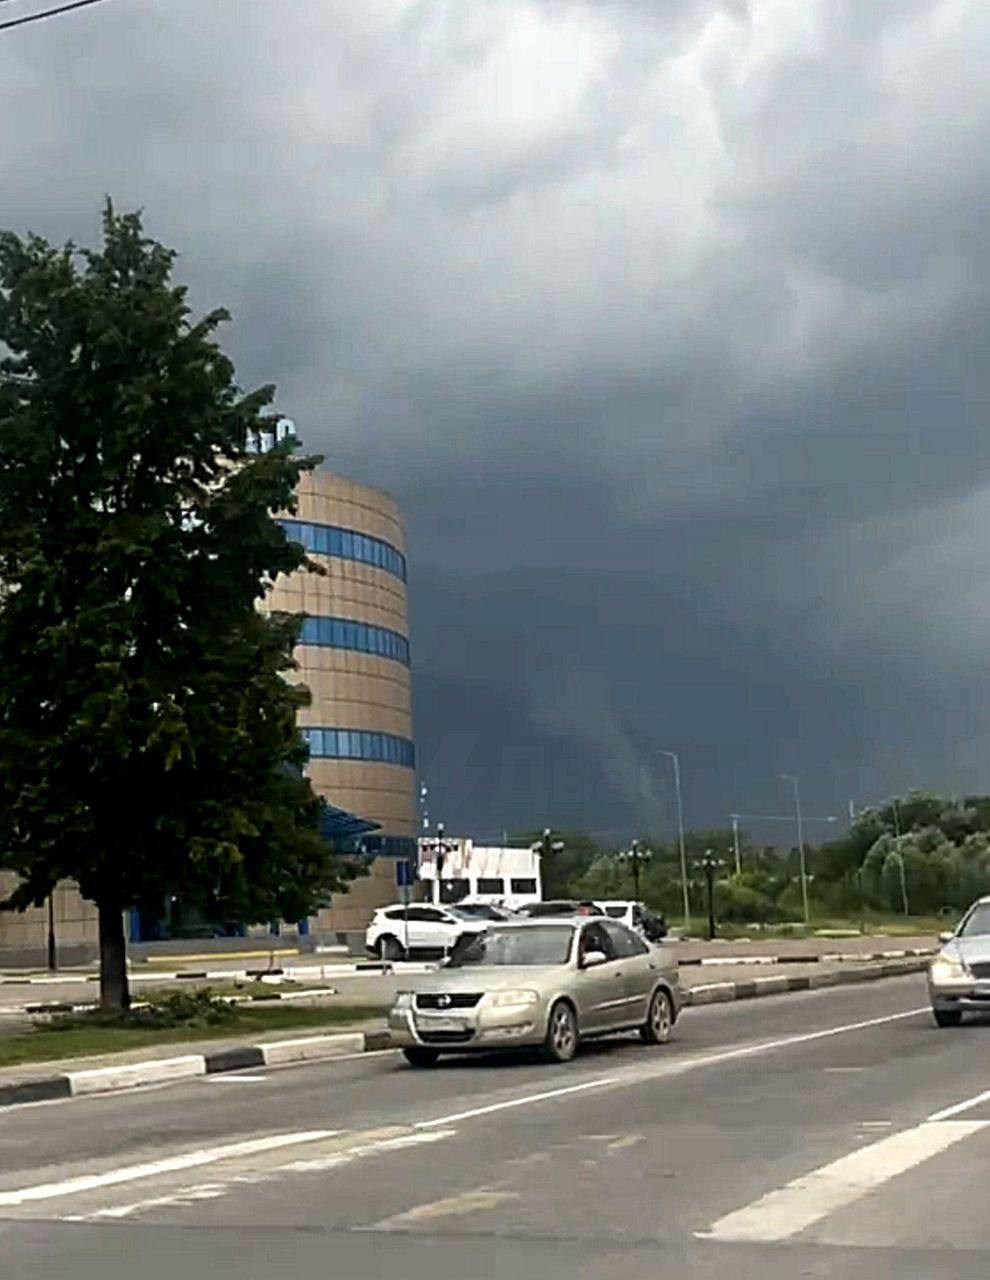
(354, 657)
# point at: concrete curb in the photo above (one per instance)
(130, 1075)
(356, 969)
(827, 957)
(723, 992)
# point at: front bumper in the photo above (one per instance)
(467, 1030)
(968, 994)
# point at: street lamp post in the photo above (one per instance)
(709, 864)
(675, 760)
(636, 855)
(793, 780)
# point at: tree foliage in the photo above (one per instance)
(148, 739)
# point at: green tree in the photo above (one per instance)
(148, 739)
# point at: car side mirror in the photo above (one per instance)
(593, 959)
(946, 937)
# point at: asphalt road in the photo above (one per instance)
(805, 1135)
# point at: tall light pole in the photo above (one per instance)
(896, 853)
(672, 756)
(709, 864)
(636, 855)
(793, 780)
(735, 842)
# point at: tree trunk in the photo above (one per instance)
(114, 990)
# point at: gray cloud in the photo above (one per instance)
(664, 322)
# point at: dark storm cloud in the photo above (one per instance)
(665, 322)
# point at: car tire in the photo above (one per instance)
(561, 1043)
(421, 1058)
(659, 1019)
(391, 949)
(947, 1017)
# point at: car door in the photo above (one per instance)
(639, 972)
(600, 991)
(435, 927)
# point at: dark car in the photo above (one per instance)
(560, 907)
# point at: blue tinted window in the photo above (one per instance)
(330, 540)
(360, 744)
(344, 633)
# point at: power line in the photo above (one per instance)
(47, 13)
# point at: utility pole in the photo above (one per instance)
(52, 947)
(735, 842)
(795, 783)
(675, 760)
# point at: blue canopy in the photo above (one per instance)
(338, 825)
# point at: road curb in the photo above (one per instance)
(725, 992)
(131, 1075)
(826, 957)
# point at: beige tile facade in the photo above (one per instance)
(352, 690)
(349, 690)
(26, 933)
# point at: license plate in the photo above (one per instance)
(441, 1024)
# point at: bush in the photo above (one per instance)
(187, 1009)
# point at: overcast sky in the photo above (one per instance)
(666, 322)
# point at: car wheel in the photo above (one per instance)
(659, 1020)
(947, 1017)
(391, 949)
(561, 1043)
(419, 1057)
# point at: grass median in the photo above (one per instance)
(93, 1035)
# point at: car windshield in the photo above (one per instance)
(616, 911)
(530, 946)
(475, 911)
(977, 923)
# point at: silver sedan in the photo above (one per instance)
(959, 976)
(543, 982)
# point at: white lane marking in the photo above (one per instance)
(336, 1158)
(170, 1164)
(783, 1213)
(217, 1190)
(630, 1077)
(948, 1112)
(637, 1074)
(524, 1101)
(188, 1195)
(465, 1202)
(630, 1140)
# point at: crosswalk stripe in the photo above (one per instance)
(783, 1213)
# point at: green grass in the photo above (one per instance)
(51, 1043)
(890, 926)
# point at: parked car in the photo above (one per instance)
(396, 932)
(959, 976)
(549, 982)
(559, 907)
(634, 915)
(480, 911)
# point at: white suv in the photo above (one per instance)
(396, 932)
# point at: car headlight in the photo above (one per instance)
(403, 1000)
(948, 969)
(512, 999)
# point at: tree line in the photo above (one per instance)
(922, 854)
